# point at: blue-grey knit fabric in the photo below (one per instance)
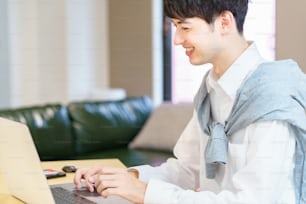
(274, 91)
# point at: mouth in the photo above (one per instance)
(188, 51)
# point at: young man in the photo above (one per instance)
(249, 120)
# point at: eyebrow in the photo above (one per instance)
(180, 21)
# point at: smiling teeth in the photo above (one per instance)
(189, 49)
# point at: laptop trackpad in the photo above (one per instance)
(93, 196)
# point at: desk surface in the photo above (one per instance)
(57, 165)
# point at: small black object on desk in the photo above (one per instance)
(69, 168)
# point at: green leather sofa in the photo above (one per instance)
(89, 130)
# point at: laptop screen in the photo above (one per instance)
(21, 169)
(20, 165)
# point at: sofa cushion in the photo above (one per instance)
(50, 128)
(163, 128)
(101, 125)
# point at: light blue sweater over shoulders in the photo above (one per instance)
(274, 91)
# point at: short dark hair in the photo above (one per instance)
(207, 9)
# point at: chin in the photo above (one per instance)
(194, 62)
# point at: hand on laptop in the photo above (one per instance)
(112, 181)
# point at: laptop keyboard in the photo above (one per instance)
(63, 196)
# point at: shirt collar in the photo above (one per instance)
(231, 80)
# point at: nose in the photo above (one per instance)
(178, 38)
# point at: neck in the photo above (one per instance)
(228, 56)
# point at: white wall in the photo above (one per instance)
(57, 50)
(87, 25)
(23, 51)
(4, 62)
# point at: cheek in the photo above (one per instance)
(203, 48)
(209, 44)
(197, 38)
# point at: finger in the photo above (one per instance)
(109, 192)
(93, 171)
(104, 177)
(90, 176)
(87, 175)
(111, 170)
(101, 186)
(105, 180)
(78, 176)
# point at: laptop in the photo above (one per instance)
(21, 169)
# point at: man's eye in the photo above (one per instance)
(185, 28)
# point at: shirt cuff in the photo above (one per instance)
(159, 192)
(144, 172)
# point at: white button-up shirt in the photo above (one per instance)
(260, 157)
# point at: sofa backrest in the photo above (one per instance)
(63, 132)
(99, 125)
(50, 128)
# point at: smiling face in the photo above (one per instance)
(202, 41)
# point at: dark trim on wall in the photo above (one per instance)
(167, 59)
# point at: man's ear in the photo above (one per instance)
(227, 22)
